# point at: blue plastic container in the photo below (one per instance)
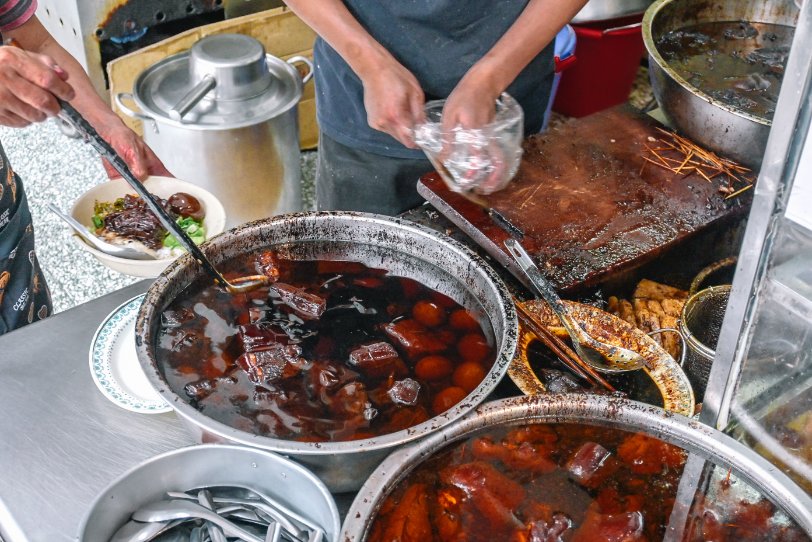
(564, 52)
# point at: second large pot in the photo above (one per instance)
(715, 125)
(223, 115)
(755, 477)
(403, 249)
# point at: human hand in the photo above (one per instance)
(472, 104)
(394, 101)
(30, 84)
(141, 160)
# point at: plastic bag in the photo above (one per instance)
(481, 160)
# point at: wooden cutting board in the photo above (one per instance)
(588, 203)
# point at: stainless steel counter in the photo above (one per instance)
(61, 440)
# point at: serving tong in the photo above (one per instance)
(240, 285)
(601, 356)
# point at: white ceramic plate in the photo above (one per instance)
(114, 363)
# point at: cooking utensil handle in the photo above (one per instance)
(304, 60)
(537, 280)
(72, 116)
(617, 29)
(191, 98)
(119, 99)
(77, 226)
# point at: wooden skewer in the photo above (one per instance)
(564, 352)
(739, 191)
(658, 164)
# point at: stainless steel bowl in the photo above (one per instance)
(209, 464)
(714, 125)
(590, 409)
(399, 246)
(603, 10)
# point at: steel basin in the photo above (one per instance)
(605, 411)
(710, 123)
(400, 246)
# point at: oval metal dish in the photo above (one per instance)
(671, 381)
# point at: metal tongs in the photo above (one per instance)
(601, 356)
(89, 134)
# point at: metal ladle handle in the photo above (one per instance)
(539, 283)
(192, 98)
(72, 116)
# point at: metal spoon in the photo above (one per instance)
(601, 356)
(73, 117)
(138, 531)
(204, 499)
(97, 242)
(179, 509)
(260, 506)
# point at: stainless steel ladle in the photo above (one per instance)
(97, 242)
(601, 356)
(240, 285)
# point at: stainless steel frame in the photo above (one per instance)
(729, 398)
(784, 146)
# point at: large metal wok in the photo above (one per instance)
(700, 439)
(716, 126)
(401, 247)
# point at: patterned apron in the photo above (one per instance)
(24, 295)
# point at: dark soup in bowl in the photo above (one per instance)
(332, 350)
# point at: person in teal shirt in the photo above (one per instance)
(378, 62)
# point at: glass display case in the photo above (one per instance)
(760, 387)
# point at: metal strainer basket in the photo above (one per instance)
(700, 325)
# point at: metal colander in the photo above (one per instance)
(700, 325)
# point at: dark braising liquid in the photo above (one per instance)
(563, 482)
(557, 378)
(740, 64)
(332, 351)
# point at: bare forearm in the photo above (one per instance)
(535, 28)
(337, 26)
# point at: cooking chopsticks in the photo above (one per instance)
(566, 354)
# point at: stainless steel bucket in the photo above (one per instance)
(401, 247)
(700, 324)
(714, 125)
(223, 116)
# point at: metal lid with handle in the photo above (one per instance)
(224, 81)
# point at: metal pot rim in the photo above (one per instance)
(163, 119)
(648, 39)
(188, 412)
(615, 412)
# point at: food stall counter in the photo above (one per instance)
(62, 440)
